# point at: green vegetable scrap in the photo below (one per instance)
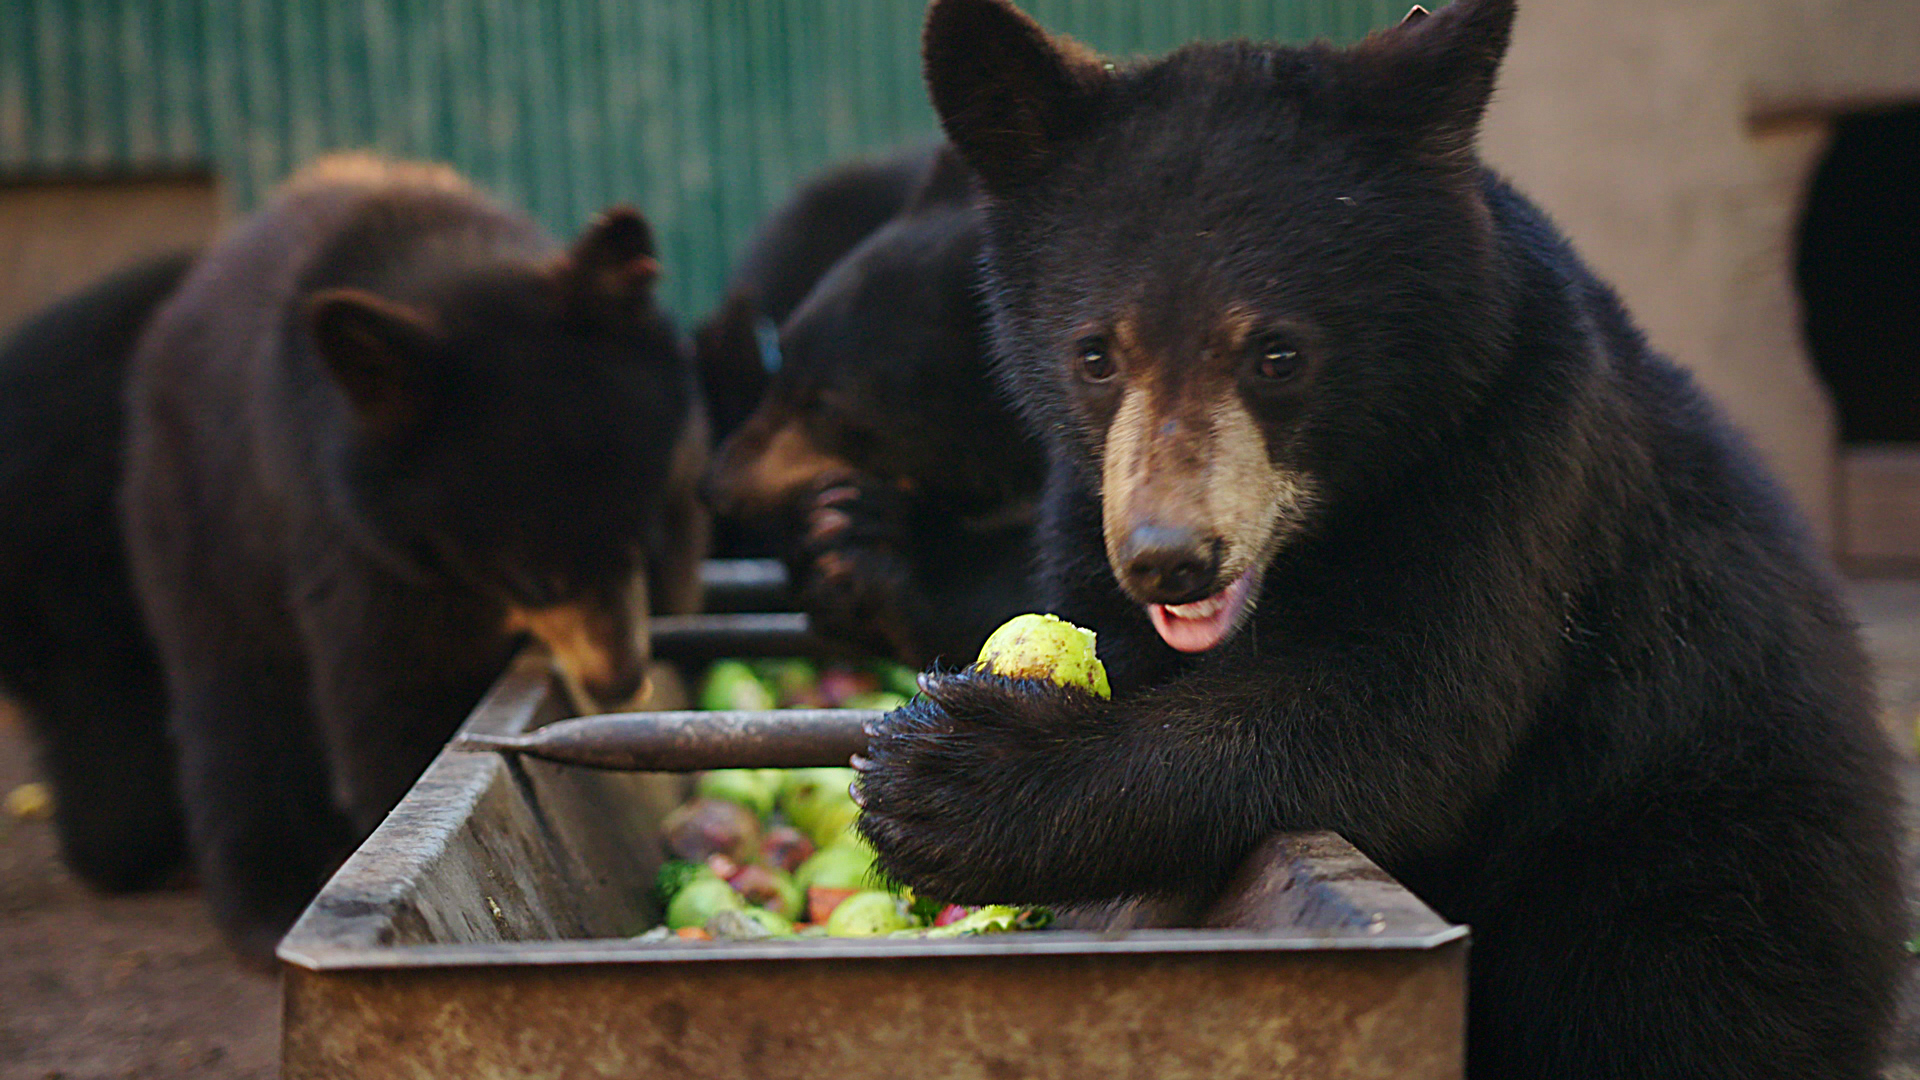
(759, 854)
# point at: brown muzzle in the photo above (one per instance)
(599, 647)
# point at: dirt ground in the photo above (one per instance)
(140, 988)
(96, 987)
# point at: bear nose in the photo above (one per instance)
(1169, 564)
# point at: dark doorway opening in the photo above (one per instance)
(1859, 274)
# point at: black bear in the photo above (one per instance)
(737, 347)
(910, 476)
(788, 254)
(379, 432)
(73, 650)
(1390, 523)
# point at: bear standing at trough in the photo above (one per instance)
(383, 429)
(908, 471)
(73, 650)
(1390, 522)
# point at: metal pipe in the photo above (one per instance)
(692, 740)
(699, 638)
(735, 585)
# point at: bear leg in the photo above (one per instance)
(1730, 961)
(104, 746)
(253, 777)
(395, 671)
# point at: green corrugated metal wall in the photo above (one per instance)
(701, 112)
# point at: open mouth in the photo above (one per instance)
(1202, 624)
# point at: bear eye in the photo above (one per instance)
(1096, 364)
(1276, 358)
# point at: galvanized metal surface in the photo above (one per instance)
(684, 741)
(695, 639)
(744, 585)
(704, 113)
(1355, 1015)
(482, 932)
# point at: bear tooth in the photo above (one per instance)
(1199, 609)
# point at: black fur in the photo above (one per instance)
(789, 253)
(1550, 646)
(798, 243)
(822, 221)
(72, 646)
(375, 418)
(918, 544)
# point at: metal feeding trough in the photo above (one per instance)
(483, 931)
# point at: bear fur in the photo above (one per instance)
(788, 254)
(382, 430)
(910, 475)
(73, 651)
(1391, 523)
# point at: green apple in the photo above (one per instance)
(699, 900)
(1045, 647)
(807, 793)
(731, 684)
(877, 699)
(843, 866)
(748, 787)
(777, 925)
(898, 678)
(868, 914)
(795, 683)
(833, 819)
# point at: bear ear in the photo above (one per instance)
(948, 180)
(612, 265)
(1007, 92)
(1434, 73)
(375, 350)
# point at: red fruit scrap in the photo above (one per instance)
(706, 827)
(821, 901)
(786, 848)
(757, 885)
(839, 684)
(951, 914)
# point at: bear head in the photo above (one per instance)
(518, 428)
(1242, 289)
(882, 373)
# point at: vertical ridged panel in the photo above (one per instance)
(703, 113)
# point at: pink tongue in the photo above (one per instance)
(1198, 635)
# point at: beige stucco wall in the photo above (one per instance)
(56, 237)
(1674, 141)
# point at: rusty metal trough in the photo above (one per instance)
(482, 931)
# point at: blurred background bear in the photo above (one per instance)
(898, 482)
(374, 437)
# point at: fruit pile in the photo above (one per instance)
(772, 853)
(800, 684)
(762, 853)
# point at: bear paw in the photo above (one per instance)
(849, 571)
